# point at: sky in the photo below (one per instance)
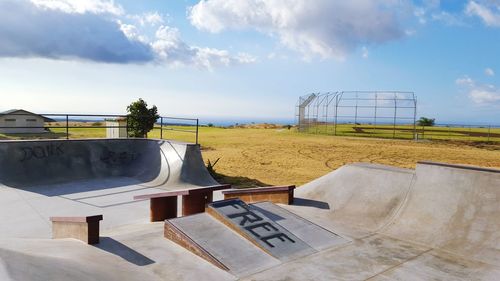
(248, 59)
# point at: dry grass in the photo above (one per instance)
(277, 156)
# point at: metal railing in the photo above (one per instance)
(61, 125)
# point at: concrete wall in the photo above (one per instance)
(153, 162)
(24, 120)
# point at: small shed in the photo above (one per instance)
(116, 128)
(19, 121)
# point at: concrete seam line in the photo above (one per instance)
(399, 264)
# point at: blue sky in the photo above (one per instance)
(248, 59)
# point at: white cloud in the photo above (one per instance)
(57, 34)
(485, 96)
(100, 31)
(480, 94)
(465, 81)
(80, 6)
(322, 28)
(174, 51)
(149, 18)
(430, 10)
(132, 33)
(487, 10)
(489, 72)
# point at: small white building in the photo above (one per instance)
(116, 128)
(19, 121)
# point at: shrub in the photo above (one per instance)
(141, 119)
(423, 121)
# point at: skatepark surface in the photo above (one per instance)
(359, 222)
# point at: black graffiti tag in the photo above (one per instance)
(41, 151)
(118, 158)
(254, 224)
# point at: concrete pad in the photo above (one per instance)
(437, 265)
(368, 221)
(357, 261)
(136, 252)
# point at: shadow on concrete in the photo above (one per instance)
(311, 203)
(238, 182)
(80, 186)
(114, 247)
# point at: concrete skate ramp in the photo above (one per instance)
(42, 179)
(152, 162)
(453, 208)
(447, 207)
(356, 199)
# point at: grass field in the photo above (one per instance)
(276, 156)
(438, 132)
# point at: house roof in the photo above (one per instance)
(13, 111)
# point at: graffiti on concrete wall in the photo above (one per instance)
(118, 158)
(41, 151)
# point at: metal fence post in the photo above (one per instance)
(489, 130)
(161, 128)
(336, 114)
(197, 129)
(67, 127)
(395, 115)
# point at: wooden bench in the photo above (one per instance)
(164, 205)
(85, 229)
(275, 194)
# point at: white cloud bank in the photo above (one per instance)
(324, 28)
(480, 94)
(100, 31)
(80, 6)
(487, 10)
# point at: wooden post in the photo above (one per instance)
(163, 208)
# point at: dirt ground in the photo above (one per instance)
(280, 156)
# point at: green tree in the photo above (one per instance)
(141, 119)
(423, 121)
